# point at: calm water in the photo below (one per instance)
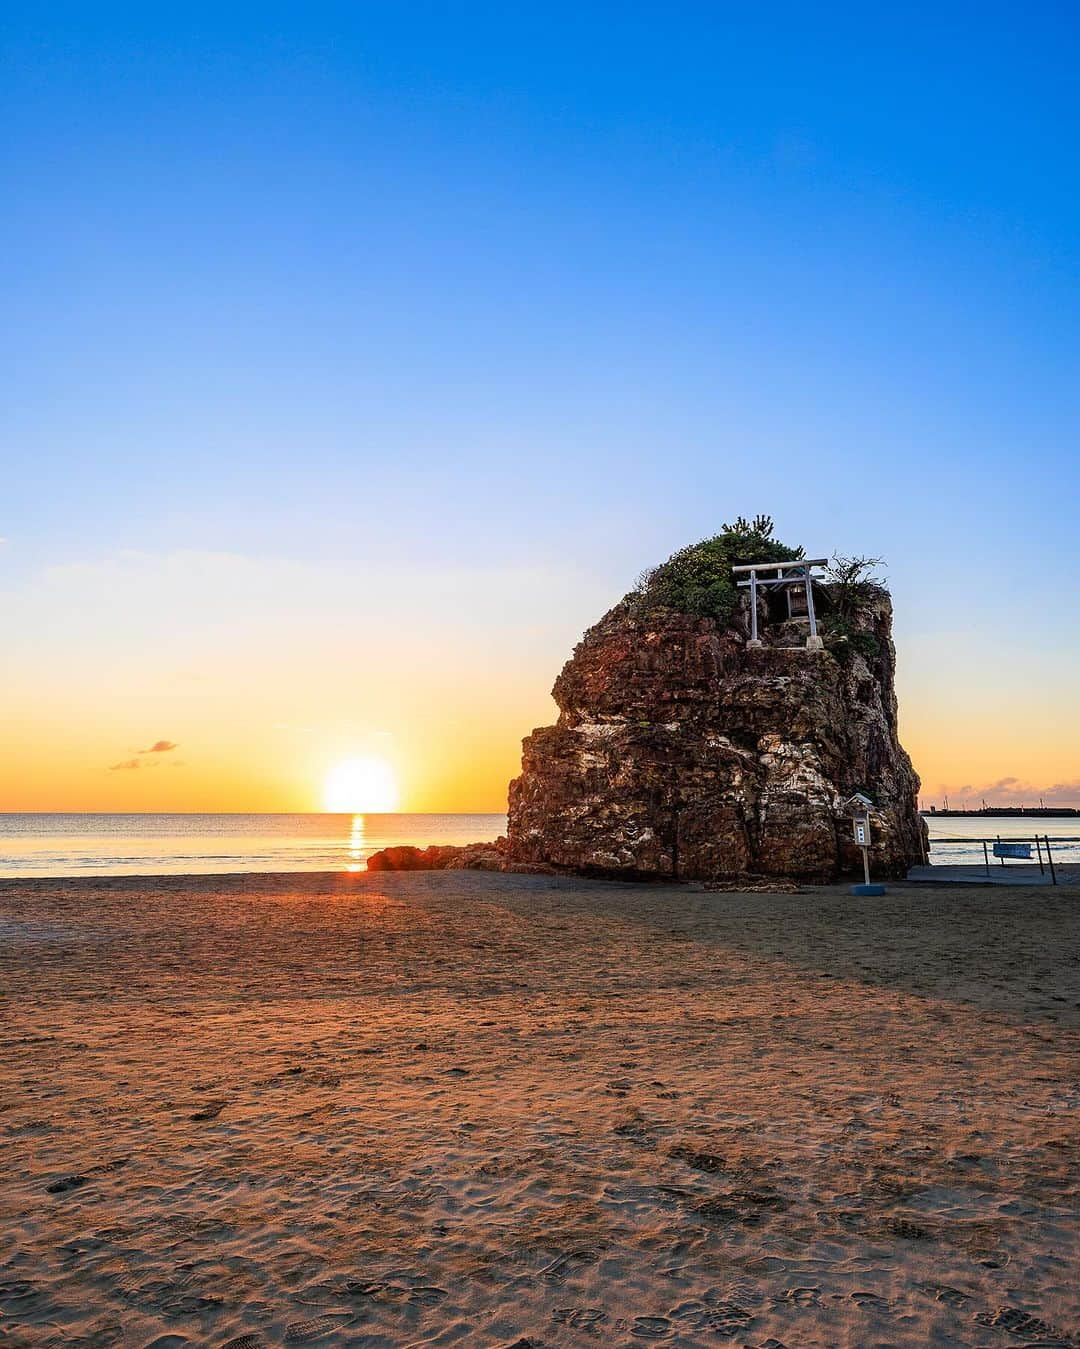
(133, 845)
(959, 840)
(118, 845)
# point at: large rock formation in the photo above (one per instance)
(680, 751)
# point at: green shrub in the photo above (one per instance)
(850, 589)
(697, 580)
(844, 639)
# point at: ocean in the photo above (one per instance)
(137, 845)
(959, 840)
(134, 845)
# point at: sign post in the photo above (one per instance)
(859, 806)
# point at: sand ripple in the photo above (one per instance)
(484, 1110)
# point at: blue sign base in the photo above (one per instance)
(868, 889)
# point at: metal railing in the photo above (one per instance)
(999, 849)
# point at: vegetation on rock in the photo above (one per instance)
(851, 590)
(697, 580)
(851, 587)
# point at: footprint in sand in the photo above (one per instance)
(871, 1300)
(651, 1327)
(80, 1178)
(365, 1287)
(1018, 1322)
(802, 1297)
(727, 1319)
(211, 1110)
(907, 1230)
(733, 1295)
(636, 1130)
(66, 1183)
(943, 1292)
(723, 1318)
(700, 1161)
(427, 1296)
(245, 1342)
(991, 1259)
(581, 1318)
(106, 1168)
(566, 1264)
(748, 1207)
(300, 1332)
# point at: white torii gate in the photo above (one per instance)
(779, 575)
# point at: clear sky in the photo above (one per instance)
(359, 356)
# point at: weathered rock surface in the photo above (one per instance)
(680, 751)
(441, 857)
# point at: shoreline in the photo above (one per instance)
(349, 878)
(153, 845)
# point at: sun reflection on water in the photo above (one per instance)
(356, 845)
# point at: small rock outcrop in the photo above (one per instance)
(682, 751)
(442, 857)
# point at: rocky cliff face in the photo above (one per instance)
(680, 751)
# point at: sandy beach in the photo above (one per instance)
(475, 1109)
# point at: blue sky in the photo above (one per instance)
(460, 288)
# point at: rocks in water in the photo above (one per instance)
(441, 857)
(683, 752)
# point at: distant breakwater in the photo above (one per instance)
(1006, 812)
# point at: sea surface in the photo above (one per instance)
(137, 845)
(961, 840)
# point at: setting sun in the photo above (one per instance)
(358, 785)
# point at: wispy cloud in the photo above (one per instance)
(143, 758)
(1014, 791)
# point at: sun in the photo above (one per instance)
(356, 786)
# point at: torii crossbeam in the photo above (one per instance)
(786, 574)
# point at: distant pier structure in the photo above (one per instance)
(999, 812)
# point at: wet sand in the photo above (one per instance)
(465, 1108)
